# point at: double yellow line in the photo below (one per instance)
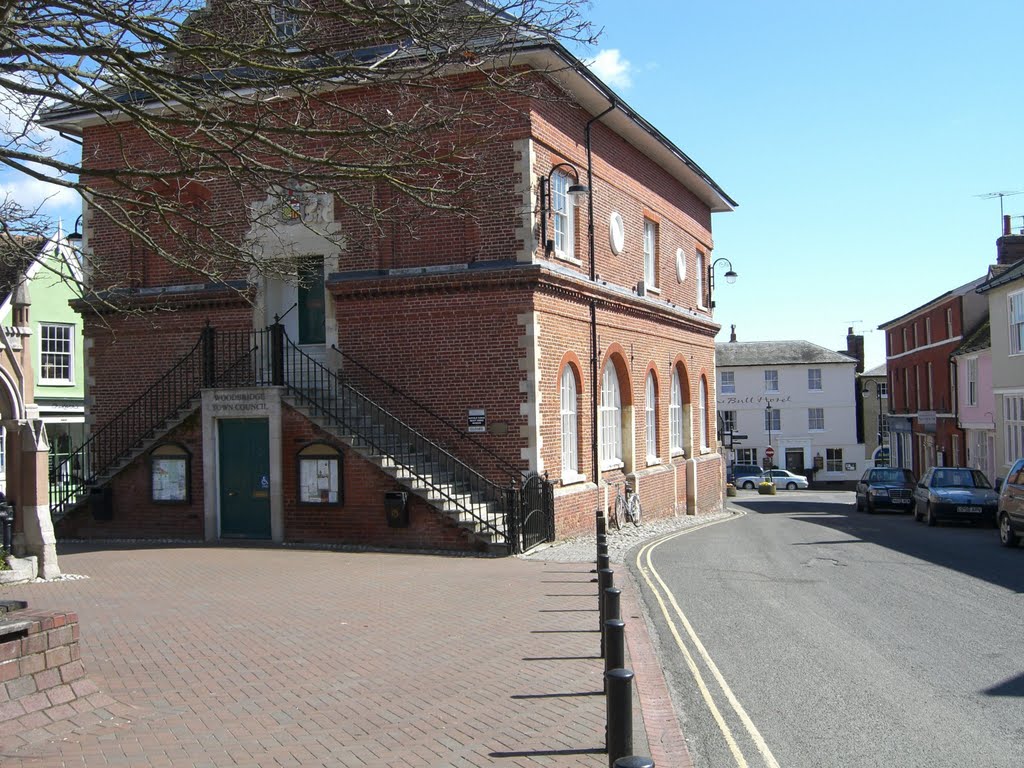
(675, 618)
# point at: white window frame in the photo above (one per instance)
(816, 419)
(972, 381)
(705, 438)
(650, 253)
(728, 382)
(771, 380)
(775, 417)
(883, 388)
(927, 330)
(814, 377)
(610, 418)
(1013, 427)
(698, 277)
(67, 353)
(949, 323)
(570, 431)
(931, 388)
(1015, 319)
(651, 418)
(833, 459)
(728, 420)
(746, 456)
(563, 217)
(675, 415)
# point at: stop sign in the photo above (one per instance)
(769, 452)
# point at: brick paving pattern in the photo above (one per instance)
(269, 657)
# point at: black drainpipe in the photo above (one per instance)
(593, 302)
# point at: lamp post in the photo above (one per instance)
(730, 277)
(768, 422)
(574, 191)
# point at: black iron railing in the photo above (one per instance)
(472, 496)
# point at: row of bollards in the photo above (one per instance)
(618, 681)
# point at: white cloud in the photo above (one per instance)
(29, 194)
(612, 68)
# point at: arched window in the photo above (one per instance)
(570, 438)
(651, 417)
(675, 415)
(705, 442)
(610, 418)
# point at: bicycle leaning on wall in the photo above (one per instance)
(626, 507)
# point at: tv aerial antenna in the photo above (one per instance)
(1000, 195)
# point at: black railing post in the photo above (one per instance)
(209, 355)
(512, 520)
(605, 580)
(615, 647)
(619, 738)
(277, 355)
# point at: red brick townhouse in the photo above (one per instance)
(413, 387)
(921, 378)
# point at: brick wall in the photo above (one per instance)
(41, 670)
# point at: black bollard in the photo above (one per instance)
(605, 580)
(603, 561)
(634, 761)
(619, 739)
(612, 603)
(602, 549)
(602, 522)
(614, 648)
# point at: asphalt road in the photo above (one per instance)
(803, 633)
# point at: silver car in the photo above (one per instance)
(782, 478)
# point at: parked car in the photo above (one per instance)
(955, 493)
(782, 478)
(741, 470)
(1010, 513)
(886, 488)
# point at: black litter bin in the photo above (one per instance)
(101, 503)
(396, 507)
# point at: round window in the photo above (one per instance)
(616, 233)
(680, 265)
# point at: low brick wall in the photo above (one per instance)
(41, 670)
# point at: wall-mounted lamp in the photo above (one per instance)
(574, 191)
(75, 238)
(730, 277)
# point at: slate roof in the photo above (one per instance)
(878, 370)
(731, 354)
(998, 277)
(16, 254)
(979, 339)
(962, 290)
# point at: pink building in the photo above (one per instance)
(976, 413)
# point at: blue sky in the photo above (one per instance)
(854, 136)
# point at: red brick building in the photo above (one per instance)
(447, 365)
(921, 385)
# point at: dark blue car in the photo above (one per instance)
(955, 493)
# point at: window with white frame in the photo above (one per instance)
(698, 277)
(728, 420)
(285, 19)
(772, 420)
(917, 343)
(675, 415)
(746, 455)
(1016, 301)
(610, 418)
(931, 388)
(705, 438)
(771, 381)
(650, 254)
(904, 339)
(651, 414)
(727, 379)
(814, 379)
(570, 436)
(833, 459)
(563, 215)
(972, 381)
(949, 323)
(883, 388)
(816, 419)
(1013, 427)
(927, 330)
(891, 342)
(56, 354)
(917, 387)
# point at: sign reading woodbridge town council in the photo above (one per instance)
(239, 402)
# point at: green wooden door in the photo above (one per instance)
(244, 478)
(312, 303)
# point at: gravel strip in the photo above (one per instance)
(584, 548)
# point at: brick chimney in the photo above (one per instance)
(855, 347)
(1009, 247)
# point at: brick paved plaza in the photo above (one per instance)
(210, 656)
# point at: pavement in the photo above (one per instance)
(243, 656)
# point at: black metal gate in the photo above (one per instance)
(535, 512)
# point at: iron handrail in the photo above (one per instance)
(387, 436)
(514, 474)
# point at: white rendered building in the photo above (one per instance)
(798, 398)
